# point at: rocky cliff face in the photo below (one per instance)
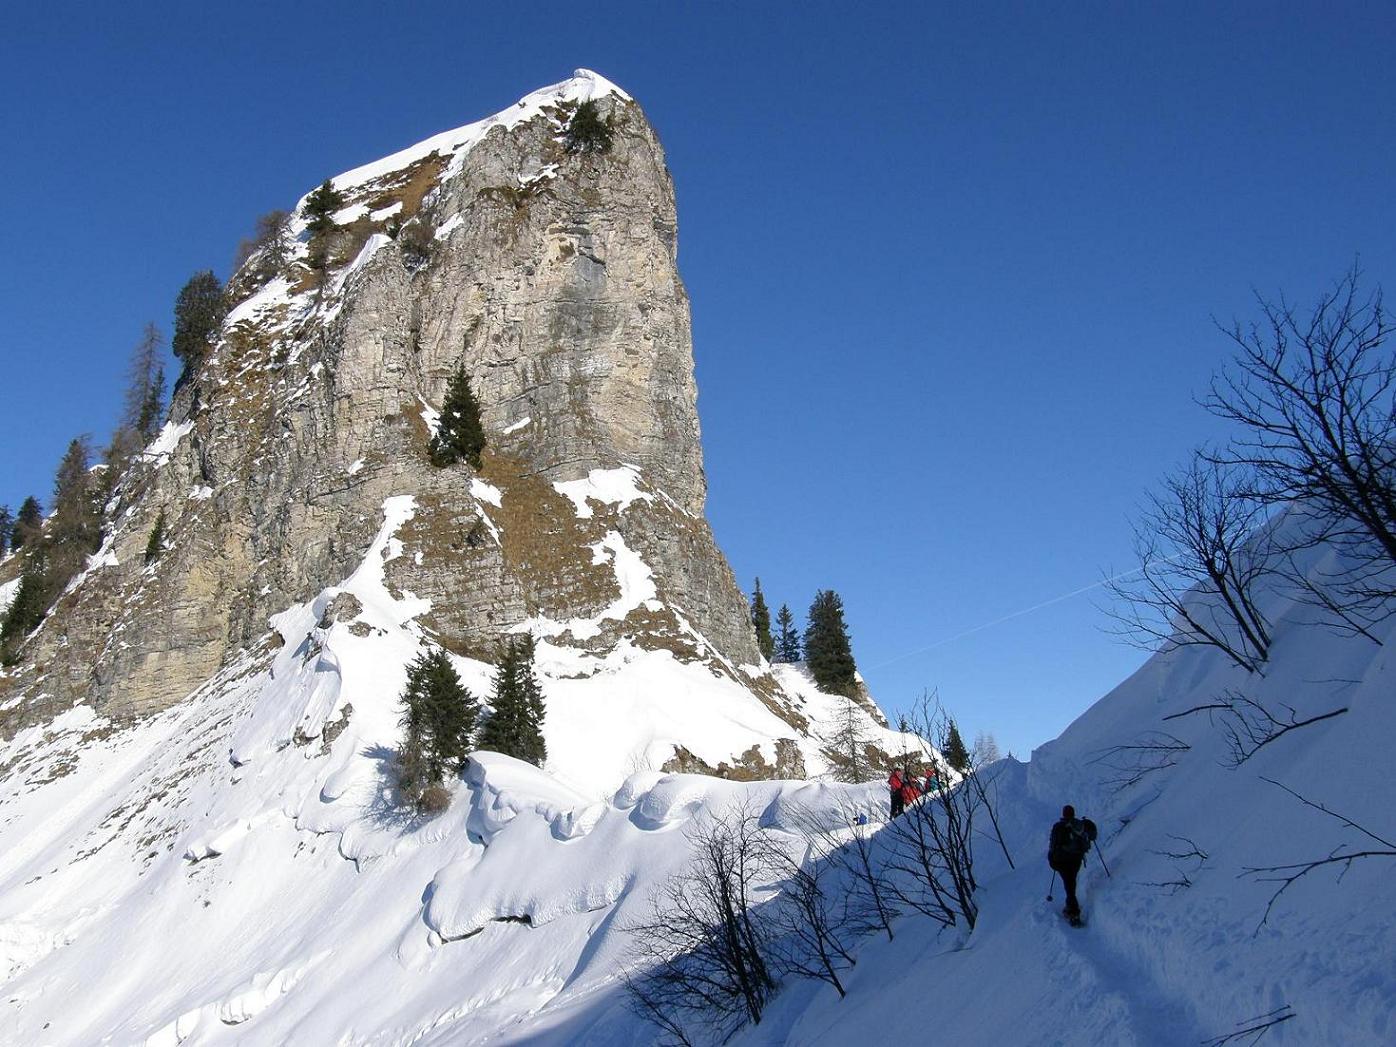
(552, 277)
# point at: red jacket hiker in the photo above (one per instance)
(896, 786)
(910, 791)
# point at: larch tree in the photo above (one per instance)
(846, 745)
(143, 403)
(828, 651)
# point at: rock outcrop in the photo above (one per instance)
(551, 276)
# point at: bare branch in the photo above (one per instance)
(1133, 762)
(1255, 1027)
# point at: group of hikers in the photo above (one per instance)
(1070, 841)
(907, 788)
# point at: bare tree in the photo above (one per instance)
(702, 961)
(932, 845)
(856, 848)
(1314, 392)
(1249, 726)
(986, 750)
(1202, 546)
(1132, 762)
(1187, 858)
(268, 243)
(813, 918)
(848, 746)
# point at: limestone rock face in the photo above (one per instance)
(551, 276)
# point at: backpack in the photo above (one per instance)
(1070, 841)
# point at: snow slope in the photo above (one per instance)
(222, 874)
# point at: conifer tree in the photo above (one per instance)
(437, 722)
(156, 544)
(6, 527)
(27, 609)
(29, 524)
(787, 638)
(516, 726)
(588, 132)
(761, 620)
(956, 755)
(143, 404)
(320, 208)
(828, 652)
(199, 312)
(460, 436)
(75, 529)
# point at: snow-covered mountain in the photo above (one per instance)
(199, 839)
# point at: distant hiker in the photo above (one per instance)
(894, 785)
(1071, 839)
(932, 781)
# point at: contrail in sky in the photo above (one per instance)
(1007, 618)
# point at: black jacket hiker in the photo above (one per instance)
(1071, 839)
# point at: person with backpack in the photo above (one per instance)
(894, 784)
(932, 783)
(911, 792)
(1066, 849)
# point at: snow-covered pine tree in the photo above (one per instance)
(787, 636)
(437, 722)
(516, 726)
(460, 436)
(761, 620)
(828, 652)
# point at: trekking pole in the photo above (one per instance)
(1096, 848)
(1051, 884)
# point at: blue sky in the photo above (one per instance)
(952, 271)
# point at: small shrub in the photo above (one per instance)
(416, 239)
